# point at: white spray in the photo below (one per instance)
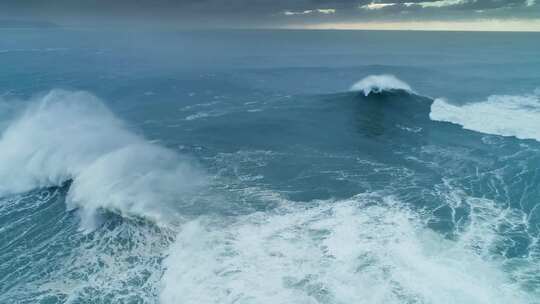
(73, 136)
(380, 83)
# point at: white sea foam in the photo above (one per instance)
(361, 250)
(139, 179)
(73, 136)
(380, 83)
(120, 265)
(506, 115)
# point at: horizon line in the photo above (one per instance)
(479, 25)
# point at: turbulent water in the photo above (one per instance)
(269, 167)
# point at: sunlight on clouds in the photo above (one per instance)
(291, 13)
(324, 11)
(440, 3)
(424, 4)
(329, 10)
(502, 25)
(376, 6)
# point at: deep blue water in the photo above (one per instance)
(240, 167)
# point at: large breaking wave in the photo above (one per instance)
(72, 136)
(372, 247)
(380, 83)
(507, 115)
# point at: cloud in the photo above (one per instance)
(474, 5)
(471, 6)
(324, 11)
(260, 13)
(423, 4)
(464, 25)
(439, 3)
(328, 11)
(376, 6)
(291, 13)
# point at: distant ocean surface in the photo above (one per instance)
(269, 167)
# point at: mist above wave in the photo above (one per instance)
(506, 115)
(380, 83)
(73, 136)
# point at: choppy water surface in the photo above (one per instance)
(318, 167)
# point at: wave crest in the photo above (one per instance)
(380, 83)
(506, 115)
(73, 136)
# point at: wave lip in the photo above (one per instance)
(505, 115)
(380, 83)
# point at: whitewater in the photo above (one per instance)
(226, 185)
(72, 137)
(322, 253)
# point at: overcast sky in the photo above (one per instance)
(521, 14)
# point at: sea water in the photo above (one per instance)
(269, 167)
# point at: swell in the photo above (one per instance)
(455, 226)
(370, 248)
(505, 115)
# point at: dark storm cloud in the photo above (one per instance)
(261, 13)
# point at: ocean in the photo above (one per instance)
(269, 167)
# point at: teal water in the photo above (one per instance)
(269, 167)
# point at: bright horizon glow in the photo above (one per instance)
(483, 25)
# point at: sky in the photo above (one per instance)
(509, 15)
